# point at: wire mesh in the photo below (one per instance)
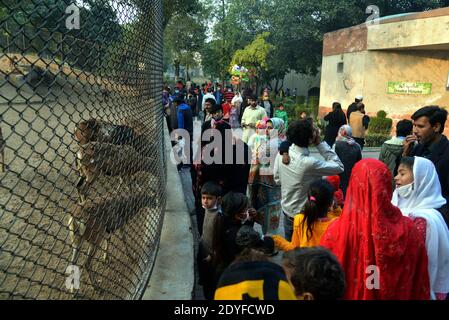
(82, 174)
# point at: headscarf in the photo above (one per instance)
(345, 135)
(237, 99)
(338, 194)
(422, 203)
(373, 240)
(279, 125)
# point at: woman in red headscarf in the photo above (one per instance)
(381, 251)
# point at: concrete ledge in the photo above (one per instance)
(173, 274)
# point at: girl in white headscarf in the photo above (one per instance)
(418, 195)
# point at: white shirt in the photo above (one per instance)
(303, 169)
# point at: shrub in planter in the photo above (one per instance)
(381, 124)
(376, 140)
(381, 114)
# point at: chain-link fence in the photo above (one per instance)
(82, 188)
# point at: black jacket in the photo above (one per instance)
(352, 107)
(440, 158)
(349, 156)
(336, 120)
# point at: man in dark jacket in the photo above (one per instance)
(392, 149)
(353, 106)
(429, 142)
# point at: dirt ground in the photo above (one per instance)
(37, 195)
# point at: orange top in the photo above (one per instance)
(299, 237)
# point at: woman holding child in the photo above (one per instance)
(264, 194)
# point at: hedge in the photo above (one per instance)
(376, 140)
(380, 125)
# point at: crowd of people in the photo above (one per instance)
(353, 228)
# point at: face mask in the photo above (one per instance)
(405, 191)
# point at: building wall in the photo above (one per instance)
(413, 48)
(300, 81)
(409, 66)
(432, 31)
(342, 87)
(368, 73)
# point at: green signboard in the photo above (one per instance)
(409, 88)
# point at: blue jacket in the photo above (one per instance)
(185, 118)
(218, 97)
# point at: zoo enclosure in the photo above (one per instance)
(81, 140)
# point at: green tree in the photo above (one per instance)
(254, 55)
(175, 8)
(297, 28)
(211, 55)
(184, 36)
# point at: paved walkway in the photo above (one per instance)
(173, 274)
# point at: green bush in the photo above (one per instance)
(376, 140)
(300, 100)
(380, 125)
(381, 114)
(289, 100)
(314, 105)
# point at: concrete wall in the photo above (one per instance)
(409, 66)
(368, 73)
(432, 31)
(301, 81)
(342, 87)
(411, 48)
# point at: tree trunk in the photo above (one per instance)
(177, 67)
(276, 87)
(187, 74)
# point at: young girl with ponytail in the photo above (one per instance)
(309, 226)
